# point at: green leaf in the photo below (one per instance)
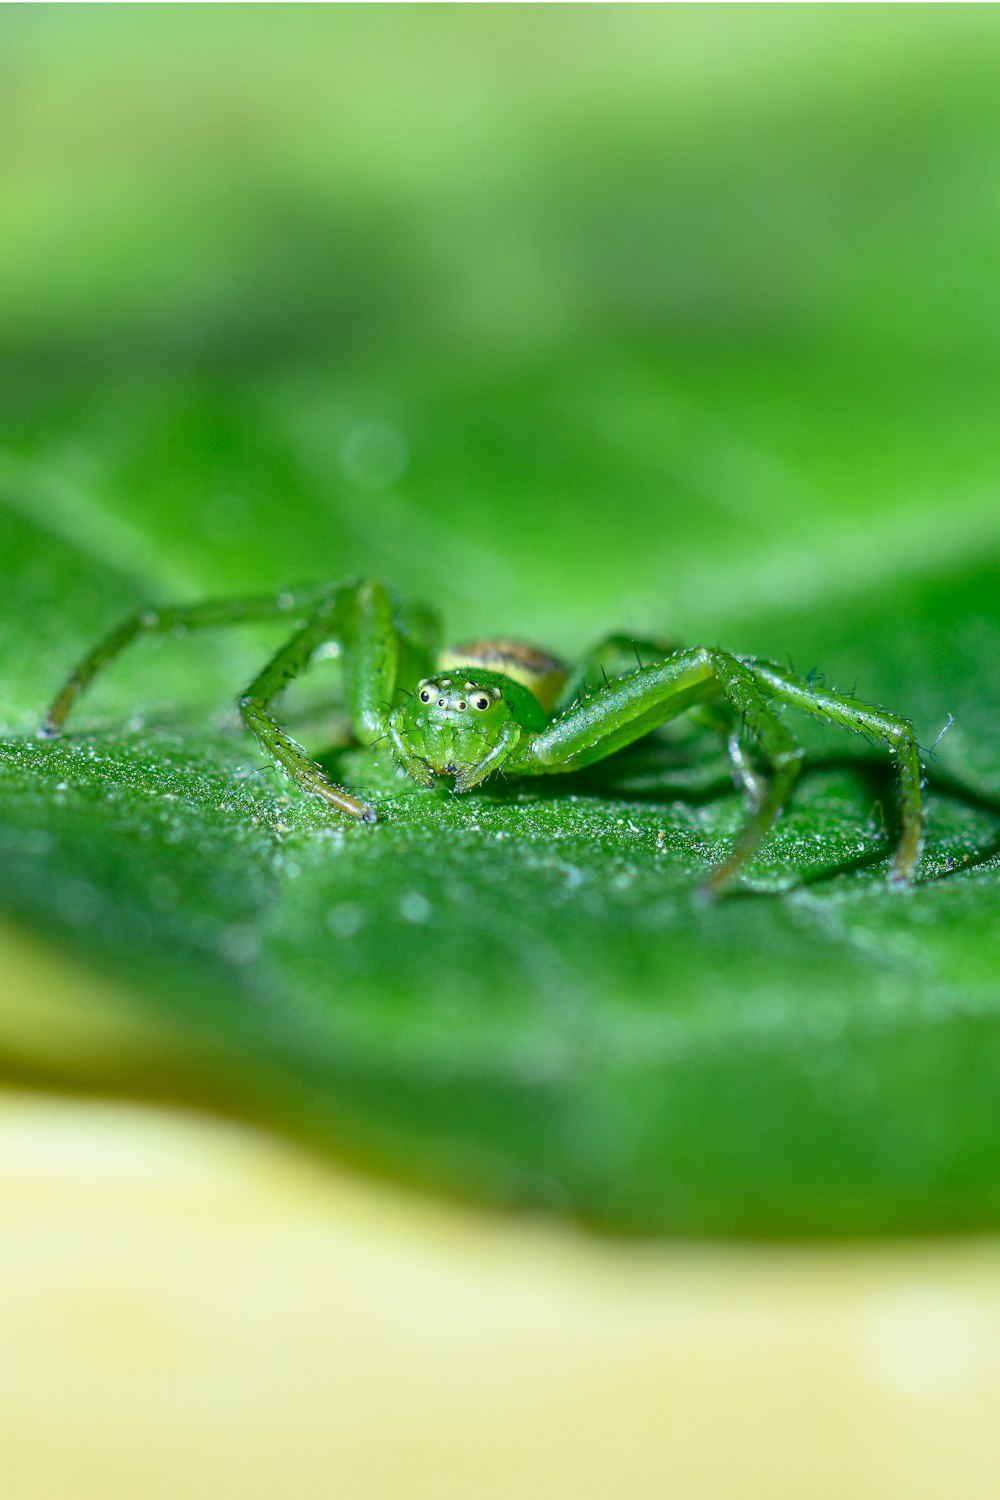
(516, 995)
(715, 385)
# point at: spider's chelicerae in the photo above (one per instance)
(475, 709)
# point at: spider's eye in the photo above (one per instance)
(481, 701)
(425, 695)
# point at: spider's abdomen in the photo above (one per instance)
(542, 674)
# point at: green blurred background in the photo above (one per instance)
(564, 317)
(683, 319)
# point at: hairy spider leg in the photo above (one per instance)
(292, 604)
(619, 654)
(863, 718)
(722, 718)
(782, 753)
(363, 619)
(616, 715)
(609, 718)
(611, 657)
(746, 777)
(358, 616)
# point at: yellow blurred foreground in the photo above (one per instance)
(190, 1308)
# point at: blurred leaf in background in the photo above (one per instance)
(672, 319)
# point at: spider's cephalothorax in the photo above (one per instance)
(451, 725)
(504, 706)
(468, 720)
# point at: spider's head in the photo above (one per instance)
(454, 721)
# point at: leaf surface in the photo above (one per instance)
(716, 385)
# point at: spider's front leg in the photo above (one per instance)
(362, 621)
(895, 733)
(646, 698)
(213, 614)
(613, 716)
(632, 706)
(358, 617)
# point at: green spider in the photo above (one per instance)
(473, 710)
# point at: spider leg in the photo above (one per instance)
(371, 666)
(784, 757)
(863, 718)
(615, 656)
(213, 614)
(327, 623)
(359, 617)
(618, 655)
(603, 721)
(746, 778)
(363, 620)
(723, 720)
(615, 716)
